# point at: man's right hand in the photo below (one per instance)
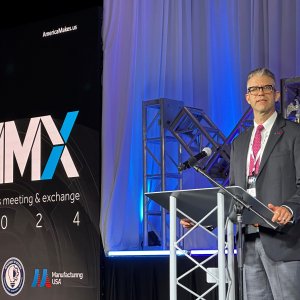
(186, 223)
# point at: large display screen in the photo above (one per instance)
(50, 118)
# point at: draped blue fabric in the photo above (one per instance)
(196, 51)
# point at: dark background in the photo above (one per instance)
(53, 76)
(14, 13)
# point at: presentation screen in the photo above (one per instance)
(50, 118)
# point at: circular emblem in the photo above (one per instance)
(13, 276)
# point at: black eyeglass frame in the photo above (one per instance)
(268, 88)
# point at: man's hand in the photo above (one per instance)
(281, 214)
(186, 223)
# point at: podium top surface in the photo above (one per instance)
(198, 203)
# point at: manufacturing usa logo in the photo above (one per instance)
(41, 279)
(13, 276)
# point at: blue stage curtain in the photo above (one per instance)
(196, 51)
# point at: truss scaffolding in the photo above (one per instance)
(170, 132)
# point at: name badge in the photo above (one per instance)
(251, 185)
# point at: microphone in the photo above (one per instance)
(193, 160)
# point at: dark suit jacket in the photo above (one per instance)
(278, 182)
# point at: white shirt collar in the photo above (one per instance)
(269, 123)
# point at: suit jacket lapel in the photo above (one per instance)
(244, 153)
(275, 134)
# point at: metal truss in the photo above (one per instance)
(290, 98)
(170, 132)
(162, 155)
(194, 130)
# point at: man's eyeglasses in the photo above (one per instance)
(267, 89)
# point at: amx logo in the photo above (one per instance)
(12, 148)
(39, 281)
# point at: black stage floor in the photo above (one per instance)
(147, 278)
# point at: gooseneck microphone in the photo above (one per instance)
(193, 160)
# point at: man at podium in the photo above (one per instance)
(265, 160)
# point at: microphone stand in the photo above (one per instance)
(239, 206)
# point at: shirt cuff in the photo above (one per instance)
(290, 210)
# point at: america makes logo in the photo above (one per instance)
(13, 276)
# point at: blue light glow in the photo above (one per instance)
(163, 252)
(142, 206)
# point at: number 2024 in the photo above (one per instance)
(4, 220)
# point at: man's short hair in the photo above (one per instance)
(261, 72)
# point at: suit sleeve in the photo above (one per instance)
(294, 201)
(232, 213)
(231, 168)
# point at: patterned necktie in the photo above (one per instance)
(254, 163)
